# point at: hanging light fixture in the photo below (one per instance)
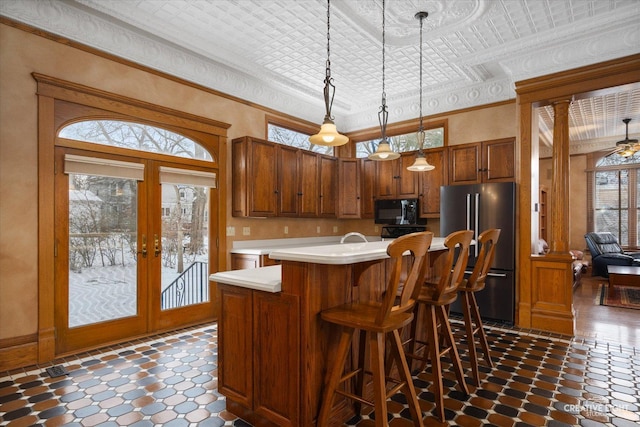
(383, 152)
(328, 134)
(421, 164)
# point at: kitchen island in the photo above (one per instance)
(273, 348)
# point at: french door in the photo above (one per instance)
(133, 249)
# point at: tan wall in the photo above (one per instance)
(577, 198)
(22, 53)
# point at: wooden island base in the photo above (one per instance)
(274, 348)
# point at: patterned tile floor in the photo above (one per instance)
(539, 379)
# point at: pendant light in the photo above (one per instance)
(328, 135)
(383, 152)
(421, 164)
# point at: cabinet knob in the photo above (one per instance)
(299, 194)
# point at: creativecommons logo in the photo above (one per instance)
(593, 408)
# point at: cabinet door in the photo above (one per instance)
(367, 185)
(430, 182)
(407, 181)
(499, 160)
(235, 343)
(239, 189)
(262, 177)
(349, 188)
(244, 261)
(276, 362)
(309, 173)
(288, 181)
(386, 179)
(254, 177)
(328, 186)
(465, 164)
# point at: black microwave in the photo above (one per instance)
(396, 211)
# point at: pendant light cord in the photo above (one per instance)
(421, 129)
(328, 81)
(383, 114)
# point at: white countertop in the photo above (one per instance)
(267, 279)
(341, 254)
(265, 247)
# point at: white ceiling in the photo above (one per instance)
(273, 52)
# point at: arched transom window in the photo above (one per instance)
(135, 136)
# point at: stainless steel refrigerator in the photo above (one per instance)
(478, 207)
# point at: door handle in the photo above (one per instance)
(144, 246)
(156, 245)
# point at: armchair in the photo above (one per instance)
(605, 251)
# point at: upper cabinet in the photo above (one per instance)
(298, 178)
(254, 178)
(488, 161)
(394, 181)
(367, 187)
(349, 192)
(328, 186)
(429, 183)
(271, 179)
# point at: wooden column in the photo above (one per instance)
(560, 178)
(551, 275)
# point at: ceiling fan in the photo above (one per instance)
(627, 147)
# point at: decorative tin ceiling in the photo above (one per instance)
(273, 52)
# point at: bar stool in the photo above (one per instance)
(377, 319)
(488, 239)
(435, 298)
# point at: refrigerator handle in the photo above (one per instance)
(477, 218)
(468, 211)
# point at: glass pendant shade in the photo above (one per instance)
(421, 164)
(384, 152)
(328, 136)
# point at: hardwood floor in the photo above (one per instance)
(602, 323)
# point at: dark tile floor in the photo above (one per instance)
(539, 379)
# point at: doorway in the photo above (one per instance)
(132, 247)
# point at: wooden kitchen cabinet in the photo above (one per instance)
(429, 183)
(235, 344)
(298, 181)
(487, 161)
(349, 188)
(271, 179)
(254, 178)
(367, 188)
(288, 180)
(243, 261)
(394, 181)
(262, 371)
(328, 186)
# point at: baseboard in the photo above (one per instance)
(18, 356)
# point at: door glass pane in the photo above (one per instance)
(185, 245)
(102, 248)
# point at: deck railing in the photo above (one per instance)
(191, 287)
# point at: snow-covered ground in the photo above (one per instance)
(97, 294)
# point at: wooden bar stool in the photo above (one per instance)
(488, 239)
(435, 298)
(376, 319)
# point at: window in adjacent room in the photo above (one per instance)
(405, 142)
(616, 198)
